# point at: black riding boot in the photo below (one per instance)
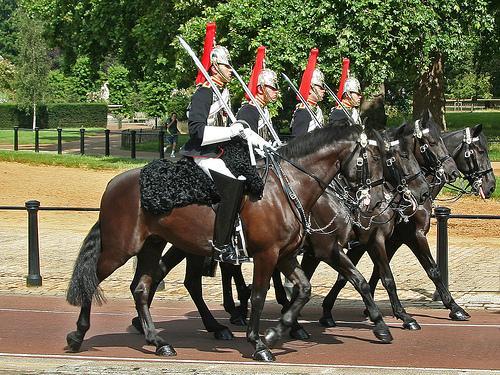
(231, 194)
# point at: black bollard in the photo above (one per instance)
(161, 141)
(33, 278)
(59, 141)
(442, 215)
(106, 145)
(16, 138)
(37, 140)
(132, 144)
(82, 141)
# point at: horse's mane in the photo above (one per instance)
(313, 141)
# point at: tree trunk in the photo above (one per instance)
(34, 115)
(429, 92)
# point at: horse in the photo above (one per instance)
(274, 230)
(469, 149)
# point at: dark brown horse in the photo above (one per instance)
(473, 162)
(273, 228)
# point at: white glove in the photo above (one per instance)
(237, 130)
(255, 139)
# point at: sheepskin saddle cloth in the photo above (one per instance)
(166, 185)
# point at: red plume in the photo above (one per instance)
(344, 76)
(305, 84)
(207, 50)
(257, 68)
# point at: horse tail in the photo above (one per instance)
(84, 284)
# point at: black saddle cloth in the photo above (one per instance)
(166, 185)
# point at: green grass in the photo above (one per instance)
(46, 136)
(71, 161)
(459, 120)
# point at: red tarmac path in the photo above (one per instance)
(37, 327)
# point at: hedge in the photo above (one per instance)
(64, 115)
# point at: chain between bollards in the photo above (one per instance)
(34, 278)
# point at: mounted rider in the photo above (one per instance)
(208, 133)
(312, 89)
(350, 94)
(264, 87)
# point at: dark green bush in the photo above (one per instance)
(64, 115)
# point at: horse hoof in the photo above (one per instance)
(412, 326)
(264, 355)
(459, 315)
(166, 351)
(383, 335)
(74, 342)
(327, 322)
(136, 323)
(238, 321)
(224, 334)
(271, 337)
(299, 334)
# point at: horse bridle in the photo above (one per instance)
(433, 166)
(474, 175)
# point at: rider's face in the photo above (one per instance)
(271, 93)
(317, 93)
(356, 99)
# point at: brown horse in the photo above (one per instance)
(273, 228)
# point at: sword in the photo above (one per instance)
(301, 98)
(259, 109)
(342, 106)
(215, 89)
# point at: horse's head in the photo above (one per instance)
(430, 150)
(402, 169)
(469, 149)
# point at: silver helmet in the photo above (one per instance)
(220, 55)
(268, 77)
(351, 85)
(318, 79)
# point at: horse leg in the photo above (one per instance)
(420, 247)
(192, 282)
(379, 257)
(264, 265)
(354, 254)
(342, 264)
(244, 291)
(291, 269)
(147, 265)
(279, 291)
(94, 263)
(228, 271)
(391, 246)
(168, 261)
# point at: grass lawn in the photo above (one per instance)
(71, 161)
(46, 136)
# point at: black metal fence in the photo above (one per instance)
(34, 278)
(129, 139)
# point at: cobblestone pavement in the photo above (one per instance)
(474, 271)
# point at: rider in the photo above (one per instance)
(264, 87)
(208, 133)
(312, 89)
(351, 96)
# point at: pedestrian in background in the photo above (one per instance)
(172, 134)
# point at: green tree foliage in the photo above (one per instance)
(119, 86)
(7, 37)
(470, 86)
(33, 66)
(60, 87)
(82, 79)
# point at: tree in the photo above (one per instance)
(7, 75)
(7, 37)
(33, 63)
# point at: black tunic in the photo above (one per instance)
(199, 110)
(337, 118)
(250, 114)
(300, 122)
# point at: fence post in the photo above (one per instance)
(161, 141)
(59, 140)
(106, 145)
(37, 139)
(132, 144)
(82, 141)
(33, 278)
(16, 138)
(442, 215)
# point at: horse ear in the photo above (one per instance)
(425, 116)
(477, 130)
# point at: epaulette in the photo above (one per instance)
(206, 84)
(300, 106)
